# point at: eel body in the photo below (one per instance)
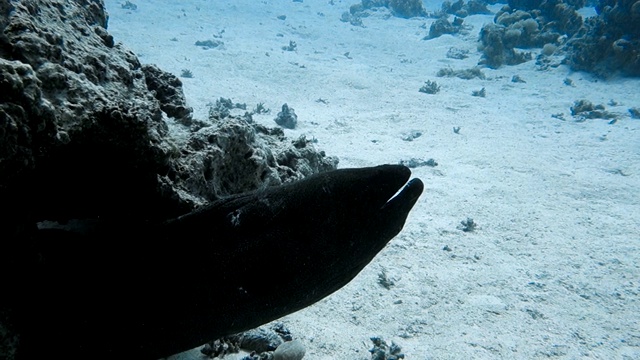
(152, 290)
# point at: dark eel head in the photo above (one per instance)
(152, 291)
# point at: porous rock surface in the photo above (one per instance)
(608, 44)
(290, 350)
(461, 8)
(399, 8)
(527, 24)
(605, 45)
(83, 125)
(84, 133)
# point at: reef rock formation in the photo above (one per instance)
(442, 26)
(85, 133)
(287, 118)
(80, 112)
(609, 43)
(77, 115)
(407, 8)
(399, 8)
(498, 46)
(527, 24)
(558, 15)
(461, 8)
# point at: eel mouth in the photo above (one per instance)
(395, 190)
(405, 199)
(409, 193)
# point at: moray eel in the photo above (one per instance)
(149, 291)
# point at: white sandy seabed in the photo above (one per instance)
(552, 271)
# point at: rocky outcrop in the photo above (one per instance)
(527, 24)
(608, 44)
(407, 8)
(461, 8)
(605, 45)
(86, 133)
(167, 89)
(443, 26)
(399, 8)
(557, 15)
(81, 131)
(233, 156)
